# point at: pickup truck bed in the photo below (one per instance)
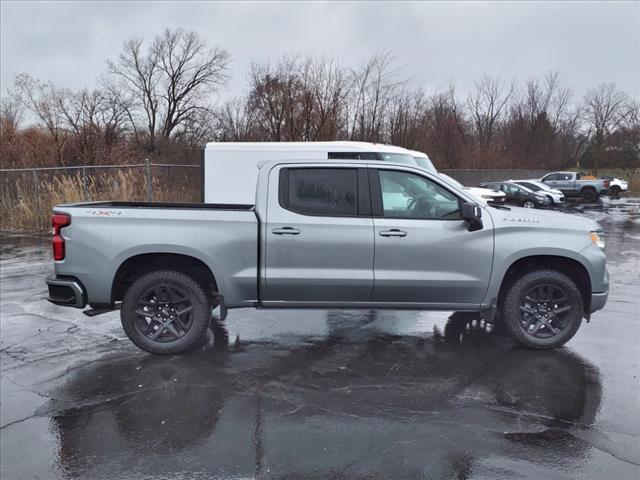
(103, 236)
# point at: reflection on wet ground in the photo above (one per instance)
(304, 394)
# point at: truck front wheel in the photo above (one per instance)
(165, 312)
(542, 309)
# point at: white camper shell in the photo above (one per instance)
(231, 168)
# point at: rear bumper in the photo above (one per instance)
(67, 291)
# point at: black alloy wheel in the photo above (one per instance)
(166, 312)
(545, 311)
(542, 309)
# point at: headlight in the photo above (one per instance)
(597, 238)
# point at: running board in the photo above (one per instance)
(93, 312)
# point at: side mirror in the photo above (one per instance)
(472, 214)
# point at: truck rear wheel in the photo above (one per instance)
(589, 194)
(542, 309)
(165, 312)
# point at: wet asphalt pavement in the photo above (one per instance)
(320, 395)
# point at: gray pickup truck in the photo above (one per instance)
(331, 234)
(572, 184)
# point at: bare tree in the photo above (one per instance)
(170, 80)
(375, 85)
(42, 100)
(603, 112)
(190, 73)
(11, 113)
(487, 106)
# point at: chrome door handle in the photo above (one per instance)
(285, 231)
(394, 232)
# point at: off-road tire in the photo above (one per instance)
(615, 191)
(511, 313)
(200, 317)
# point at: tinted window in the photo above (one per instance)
(354, 156)
(405, 195)
(554, 176)
(322, 191)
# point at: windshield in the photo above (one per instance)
(425, 163)
(404, 158)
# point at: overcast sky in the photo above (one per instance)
(587, 42)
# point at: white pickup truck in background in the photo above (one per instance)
(231, 168)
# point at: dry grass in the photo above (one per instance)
(27, 205)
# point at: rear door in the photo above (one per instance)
(424, 252)
(319, 235)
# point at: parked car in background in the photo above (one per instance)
(616, 185)
(556, 196)
(573, 184)
(487, 194)
(519, 195)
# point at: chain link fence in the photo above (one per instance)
(27, 195)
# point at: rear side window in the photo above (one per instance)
(320, 191)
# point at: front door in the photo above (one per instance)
(319, 236)
(424, 252)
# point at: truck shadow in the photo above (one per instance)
(387, 403)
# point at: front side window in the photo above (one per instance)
(554, 176)
(406, 195)
(322, 191)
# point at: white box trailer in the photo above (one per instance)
(231, 168)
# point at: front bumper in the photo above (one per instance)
(67, 291)
(598, 300)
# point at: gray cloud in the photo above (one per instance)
(588, 42)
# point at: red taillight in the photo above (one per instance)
(58, 221)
